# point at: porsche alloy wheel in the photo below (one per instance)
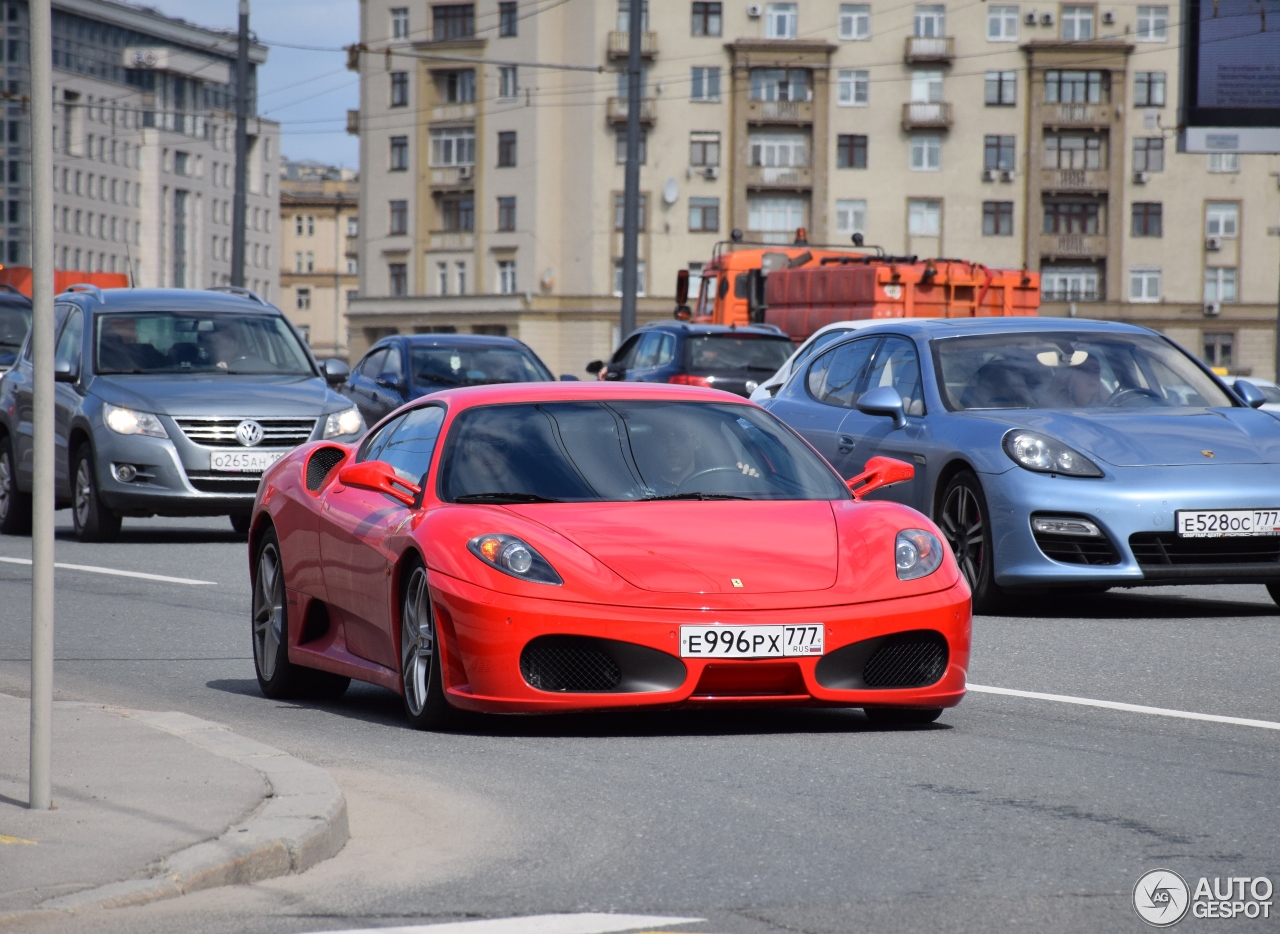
(963, 518)
(424, 702)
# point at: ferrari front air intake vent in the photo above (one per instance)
(321, 462)
(911, 660)
(569, 663)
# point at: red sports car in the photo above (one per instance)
(580, 546)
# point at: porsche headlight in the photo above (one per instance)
(347, 422)
(1043, 454)
(510, 555)
(916, 553)
(128, 422)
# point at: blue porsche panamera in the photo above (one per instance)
(1055, 452)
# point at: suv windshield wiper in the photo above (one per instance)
(654, 499)
(503, 498)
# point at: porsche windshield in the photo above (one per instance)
(170, 342)
(1039, 370)
(626, 451)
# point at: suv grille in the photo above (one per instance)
(569, 663)
(226, 483)
(1167, 548)
(909, 660)
(221, 432)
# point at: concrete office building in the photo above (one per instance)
(1009, 133)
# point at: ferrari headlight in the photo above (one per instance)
(347, 422)
(510, 555)
(1043, 454)
(128, 422)
(916, 553)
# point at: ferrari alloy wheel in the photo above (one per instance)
(963, 518)
(15, 506)
(902, 716)
(424, 701)
(93, 521)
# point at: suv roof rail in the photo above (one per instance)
(239, 290)
(88, 287)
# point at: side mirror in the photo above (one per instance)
(682, 287)
(335, 371)
(682, 313)
(390, 382)
(884, 400)
(595, 366)
(64, 372)
(568, 378)
(879, 472)
(380, 477)
(614, 373)
(1250, 393)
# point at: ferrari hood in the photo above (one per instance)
(704, 546)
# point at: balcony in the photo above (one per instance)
(353, 122)
(1075, 179)
(1077, 114)
(617, 110)
(779, 176)
(937, 49)
(452, 240)
(1073, 245)
(453, 112)
(779, 111)
(620, 44)
(921, 115)
(454, 176)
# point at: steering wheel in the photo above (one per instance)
(704, 472)
(1133, 392)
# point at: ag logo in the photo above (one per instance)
(249, 433)
(1161, 897)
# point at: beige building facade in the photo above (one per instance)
(1013, 134)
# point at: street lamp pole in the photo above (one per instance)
(239, 208)
(631, 190)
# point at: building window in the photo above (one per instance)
(851, 151)
(620, 147)
(461, 268)
(1002, 88)
(1222, 219)
(926, 87)
(453, 21)
(507, 213)
(776, 218)
(617, 277)
(1148, 154)
(780, 21)
(398, 273)
(1153, 23)
(297, 225)
(457, 87)
(853, 88)
(705, 84)
(399, 153)
(855, 21)
(704, 149)
(353, 226)
(453, 146)
(302, 299)
(779, 149)
(1144, 283)
(1002, 24)
(506, 149)
(997, 218)
(780, 84)
(508, 21)
(704, 214)
(930, 21)
(1148, 219)
(1148, 89)
(624, 16)
(1077, 87)
(1074, 151)
(924, 218)
(494, 330)
(399, 215)
(926, 152)
(1077, 22)
(1069, 284)
(706, 19)
(1220, 284)
(619, 211)
(457, 213)
(508, 81)
(998, 153)
(308, 266)
(442, 278)
(400, 22)
(1071, 217)
(1219, 349)
(1224, 162)
(506, 276)
(851, 217)
(399, 89)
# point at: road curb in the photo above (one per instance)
(302, 822)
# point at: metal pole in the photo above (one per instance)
(239, 209)
(631, 195)
(338, 258)
(39, 796)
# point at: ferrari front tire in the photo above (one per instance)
(902, 716)
(425, 705)
(966, 523)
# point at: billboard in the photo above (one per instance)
(1231, 75)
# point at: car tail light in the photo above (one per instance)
(688, 379)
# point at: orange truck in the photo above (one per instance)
(799, 288)
(19, 277)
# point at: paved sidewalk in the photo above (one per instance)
(152, 805)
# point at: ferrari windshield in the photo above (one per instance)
(626, 451)
(474, 366)
(171, 342)
(1051, 370)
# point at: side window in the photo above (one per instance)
(392, 369)
(896, 364)
(836, 377)
(409, 448)
(647, 355)
(70, 342)
(667, 351)
(626, 354)
(59, 315)
(822, 340)
(371, 365)
(373, 445)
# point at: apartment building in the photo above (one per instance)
(144, 148)
(1013, 134)
(319, 260)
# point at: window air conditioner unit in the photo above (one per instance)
(1140, 178)
(1031, 18)
(1108, 18)
(1006, 175)
(988, 175)
(1046, 19)
(1213, 243)
(1213, 308)
(466, 171)
(711, 172)
(755, 10)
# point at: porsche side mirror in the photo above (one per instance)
(595, 366)
(335, 371)
(884, 400)
(879, 472)
(380, 477)
(1250, 393)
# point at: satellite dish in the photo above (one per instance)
(670, 191)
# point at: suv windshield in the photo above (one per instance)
(727, 353)
(625, 451)
(171, 342)
(1038, 370)
(474, 366)
(15, 321)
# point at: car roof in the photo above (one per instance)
(954, 327)
(11, 296)
(499, 393)
(202, 300)
(456, 340)
(702, 330)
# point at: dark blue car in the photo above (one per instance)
(15, 322)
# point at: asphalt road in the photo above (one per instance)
(1010, 814)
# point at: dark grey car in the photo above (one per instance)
(168, 402)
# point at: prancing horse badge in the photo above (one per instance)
(737, 582)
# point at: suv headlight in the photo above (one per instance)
(510, 555)
(1043, 454)
(347, 422)
(916, 553)
(128, 422)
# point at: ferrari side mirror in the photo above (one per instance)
(380, 477)
(879, 472)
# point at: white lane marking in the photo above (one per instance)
(586, 923)
(116, 572)
(1130, 708)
